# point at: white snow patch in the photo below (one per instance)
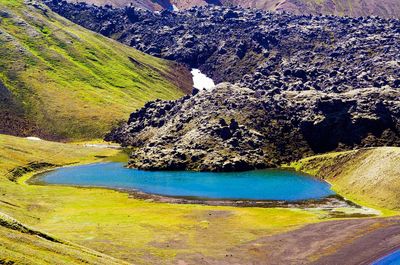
(174, 8)
(201, 81)
(112, 146)
(32, 138)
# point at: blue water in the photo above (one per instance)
(391, 259)
(251, 185)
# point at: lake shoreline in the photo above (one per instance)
(382, 255)
(329, 203)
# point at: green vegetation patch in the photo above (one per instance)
(68, 82)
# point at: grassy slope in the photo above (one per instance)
(369, 176)
(24, 245)
(107, 221)
(66, 82)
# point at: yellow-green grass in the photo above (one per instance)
(138, 231)
(22, 245)
(368, 176)
(66, 82)
(18, 243)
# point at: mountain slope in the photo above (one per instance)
(60, 81)
(383, 8)
(368, 175)
(260, 49)
(20, 240)
(20, 244)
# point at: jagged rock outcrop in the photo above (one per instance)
(382, 8)
(305, 84)
(235, 128)
(258, 49)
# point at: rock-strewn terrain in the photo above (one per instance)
(305, 84)
(235, 128)
(257, 48)
(383, 8)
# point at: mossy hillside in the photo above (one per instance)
(24, 245)
(137, 231)
(19, 243)
(69, 83)
(369, 176)
(24, 248)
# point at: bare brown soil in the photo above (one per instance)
(357, 241)
(180, 76)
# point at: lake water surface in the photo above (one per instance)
(251, 185)
(390, 259)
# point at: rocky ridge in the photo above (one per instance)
(233, 128)
(304, 85)
(261, 50)
(382, 8)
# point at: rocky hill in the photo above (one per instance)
(60, 81)
(304, 84)
(354, 8)
(258, 49)
(236, 128)
(153, 5)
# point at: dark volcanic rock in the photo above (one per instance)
(352, 8)
(305, 84)
(235, 128)
(260, 50)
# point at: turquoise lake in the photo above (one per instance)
(391, 259)
(268, 184)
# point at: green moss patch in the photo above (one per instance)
(65, 82)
